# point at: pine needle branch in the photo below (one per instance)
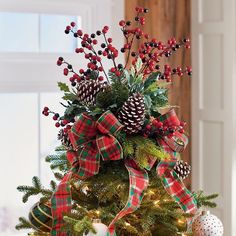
(24, 224)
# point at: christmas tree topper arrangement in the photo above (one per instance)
(118, 167)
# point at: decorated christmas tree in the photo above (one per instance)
(118, 168)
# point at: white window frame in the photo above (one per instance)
(94, 14)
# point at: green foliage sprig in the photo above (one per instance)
(142, 149)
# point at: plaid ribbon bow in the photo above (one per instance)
(91, 140)
(173, 185)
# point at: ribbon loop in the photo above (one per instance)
(138, 182)
(83, 131)
(108, 124)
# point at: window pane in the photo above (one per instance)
(52, 36)
(32, 32)
(19, 156)
(19, 32)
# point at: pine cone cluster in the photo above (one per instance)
(182, 169)
(64, 138)
(132, 114)
(87, 91)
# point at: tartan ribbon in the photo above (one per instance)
(91, 139)
(138, 179)
(173, 185)
(94, 139)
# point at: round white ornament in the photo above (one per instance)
(100, 228)
(207, 225)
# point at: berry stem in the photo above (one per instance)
(131, 44)
(113, 59)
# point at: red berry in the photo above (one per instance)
(68, 28)
(118, 73)
(122, 23)
(181, 130)
(68, 127)
(104, 53)
(187, 46)
(148, 127)
(65, 71)
(95, 41)
(113, 70)
(127, 46)
(45, 109)
(64, 122)
(100, 78)
(72, 24)
(72, 79)
(54, 117)
(105, 29)
(109, 40)
(46, 113)
(81, 71)
(59, 62)
(79, 32)
(100, 68)
(57, 124)
(155, 123)
(141, 10)
(136, 8)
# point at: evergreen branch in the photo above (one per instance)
(36, 189)
(23, 224)
(203, 200)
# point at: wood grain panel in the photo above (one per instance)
(171, 18)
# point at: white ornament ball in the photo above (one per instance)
(100, 228)
(207, 225)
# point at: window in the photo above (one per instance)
(32, 32)
(32, 37)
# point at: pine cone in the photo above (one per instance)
(132, 114)
(182, 169)
(64, 138)
(87, 91)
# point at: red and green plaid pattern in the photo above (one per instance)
(91, 140)
(170, 118)
(61, 203)
(179, 141)
(173, 185)
(138, 179)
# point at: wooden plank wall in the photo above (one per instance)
(171, 18)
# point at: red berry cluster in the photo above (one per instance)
(93, 54)
(68, 69)
(157, 128)
(150, 51)
(60, 121)
(169, 72)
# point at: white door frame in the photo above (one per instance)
(214, 104)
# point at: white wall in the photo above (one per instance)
(214, 104)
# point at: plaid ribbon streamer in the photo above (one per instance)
(91, 140)
(138, 179)
(173, 185)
